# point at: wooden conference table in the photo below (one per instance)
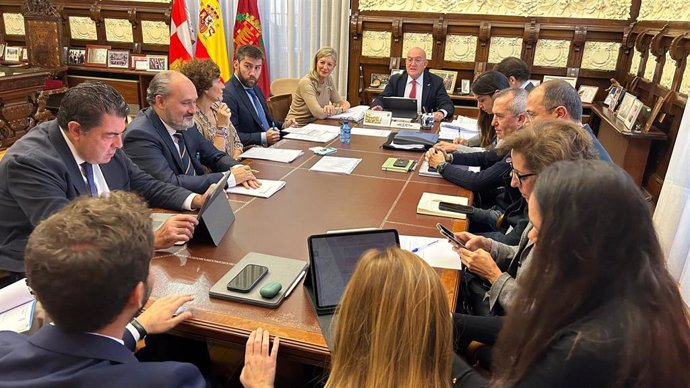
(310, 203)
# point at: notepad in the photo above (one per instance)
(428, 204)
(266, 190)
(16, 307)
(390, 165)
(281, 155)
(318, 133)
(336, 164)
(440, 254)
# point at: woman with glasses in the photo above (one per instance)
(316, 96)
(598, 307)
(212, 117)
(532, 150)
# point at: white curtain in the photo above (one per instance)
(293, 30)
(672, 214)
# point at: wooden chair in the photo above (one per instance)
(279, 106)
(284, 86)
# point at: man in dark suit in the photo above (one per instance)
(417, 82)
(517, 72)
(163, 140)
(91, 275)
(78, 154)
(250, 114)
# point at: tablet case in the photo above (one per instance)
(280, 269)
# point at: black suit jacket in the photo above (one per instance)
(434, 95)
(39, 176)
(149, 145)
(244, 116)
(53, 358)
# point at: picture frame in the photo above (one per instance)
(655, 112)
(612, 91)
(76, 56)
(379, 80)
(449, 78)
(2, 50)
(587, 93)
(616, 99)
(465, 86)
(24, 54)
(625, 105)
(157, 62)
(571, 80)
(118, 59)
(96, 55)
(12, 54)
(394, 63)
(138, 62)
(630, 118)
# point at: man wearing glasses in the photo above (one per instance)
(557, 99)
(418, 83)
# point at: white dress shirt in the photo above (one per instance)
(418, 92)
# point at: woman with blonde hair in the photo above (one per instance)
(392, 329)
(316, 96)
(212, 117)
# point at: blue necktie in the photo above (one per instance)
(184, 155)
(88, 172)
(259, 110)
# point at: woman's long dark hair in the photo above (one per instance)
(487, 84)
(597, 256)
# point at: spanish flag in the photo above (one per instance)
(211, 43)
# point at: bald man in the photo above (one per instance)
(417, 82)
(164, 141)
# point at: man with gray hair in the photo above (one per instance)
(492, 183)
(557, 99)
(164, 141)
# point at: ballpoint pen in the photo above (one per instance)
(294, 284)
(415, 250)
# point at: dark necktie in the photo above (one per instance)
(259, 110)
(184, 155)
(87, 169)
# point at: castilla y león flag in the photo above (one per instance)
(180, 35)
(248, 31)
(211, 43)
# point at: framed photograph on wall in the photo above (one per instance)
(587, 93)
(118, 59)
(625, 105)
(157, 62)
(138, 62)
(571, 80)
(12, 54)
(449, 78)
(76, 56)
(96, 55)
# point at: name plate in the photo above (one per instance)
(377, 118)
(405, 125)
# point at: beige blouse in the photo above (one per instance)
(232, 141)
(308, 100)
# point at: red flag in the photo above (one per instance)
(248, 31)
(180, 35)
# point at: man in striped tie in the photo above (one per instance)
(164, 141)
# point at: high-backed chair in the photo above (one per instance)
(279, 105)
(284, 86)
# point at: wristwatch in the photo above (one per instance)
(440, 167)
(140, 329)
(222, 131)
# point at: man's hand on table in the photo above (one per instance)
(178, 228)
(158, 317)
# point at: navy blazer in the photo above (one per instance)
(244, 116)
(434, 95)
(39, 176)
(54, 358)
(149, 145)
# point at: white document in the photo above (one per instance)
(436, 251)
(370, 132)
(450, 131)
(281, 155)
(16, 307)
(266, 190)
(355, 113)
(336, 164)
(314, 132)
(14, 295)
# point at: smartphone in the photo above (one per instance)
(450, 236)
(454, 207)
(401, 162)
(248, 277)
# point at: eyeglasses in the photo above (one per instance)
(416, 60)
(515, 174)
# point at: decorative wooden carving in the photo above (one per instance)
(440, 31)
(656, 46)
(397, 30)
(95, 14)
(39, 9)
(531, 34)
(484, 34)
(43, 35)
(356, 27)
(628, 41)
(579, 38)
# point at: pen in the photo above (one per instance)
(424, 246)
(294, 284)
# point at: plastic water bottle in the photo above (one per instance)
(345, 133)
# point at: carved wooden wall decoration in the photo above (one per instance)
(425, 41)
(14, 23)
(600, 55)
(155, 32)
(552, 53)
(376, 44)
(665, 10)
(503, 47)
(82, 28)
(118, 30)
(460, 48)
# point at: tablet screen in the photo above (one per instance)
(333, 258)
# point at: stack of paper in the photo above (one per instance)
(355, 113)
(314, 132)
(266, 190)
(336, 164)
(428, 204)
(462, 126)
(16, 307)
(273, 154)
(436, 251)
